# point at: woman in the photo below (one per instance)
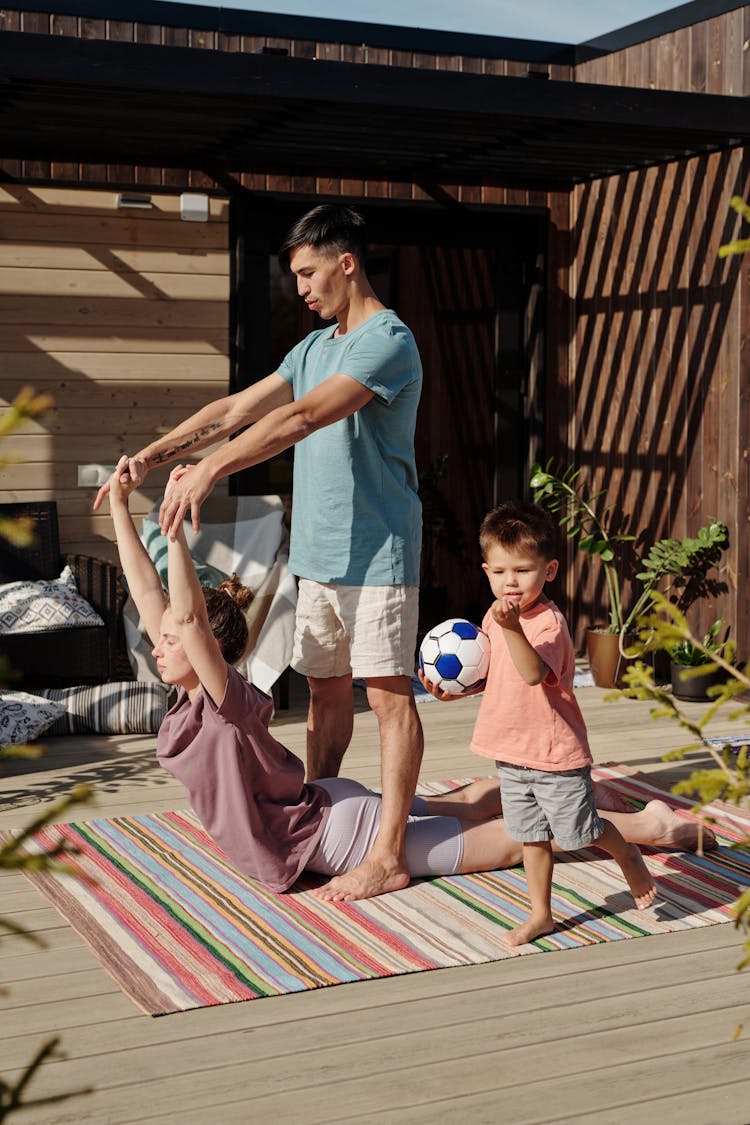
(249, 791)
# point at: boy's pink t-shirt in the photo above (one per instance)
(539, 726)
(248, 790)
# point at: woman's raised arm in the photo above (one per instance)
(140, 573)
(190, 616)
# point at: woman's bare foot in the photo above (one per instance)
(672, 831)
(531, 929)
(369, 879)
(638, 877)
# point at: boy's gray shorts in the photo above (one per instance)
(543, 805)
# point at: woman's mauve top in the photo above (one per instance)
(248, 790)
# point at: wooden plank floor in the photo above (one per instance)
(628, 1031)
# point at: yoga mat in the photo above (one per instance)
(178, 927)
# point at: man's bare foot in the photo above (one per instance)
(673, 831)
(531, 929)
(638, 877)
(609, 799)
(369, 879)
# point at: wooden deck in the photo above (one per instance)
(630, 1031)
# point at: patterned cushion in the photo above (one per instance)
(24, 717)
(117, 708)
(41, 607)
(156, 545)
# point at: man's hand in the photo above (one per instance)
(187, 488)
(131, 471)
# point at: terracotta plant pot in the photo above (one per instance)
(694, 689)
(605, 660)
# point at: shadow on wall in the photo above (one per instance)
(654, 393)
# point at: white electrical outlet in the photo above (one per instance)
(194, 207)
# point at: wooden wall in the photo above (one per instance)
(706, 57)
(648, 331)
(651, 330)
(122, 316)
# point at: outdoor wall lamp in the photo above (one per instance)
(129, 201)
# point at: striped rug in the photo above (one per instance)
(177, 926)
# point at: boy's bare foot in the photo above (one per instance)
(673, 831)
(609, 800)
(531, 929)
(369, 879)
(638, 877)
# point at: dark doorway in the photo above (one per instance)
(470, 285)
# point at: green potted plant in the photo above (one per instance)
(587, 519)
(692, 670)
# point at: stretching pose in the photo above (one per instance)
(249, 791)
(346, 399)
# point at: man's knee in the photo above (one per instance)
(329, 691)
(392, 700)
(389, 691)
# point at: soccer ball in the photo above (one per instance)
(455, 656)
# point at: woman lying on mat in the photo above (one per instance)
(249, 791)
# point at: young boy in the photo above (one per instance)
(529, 721)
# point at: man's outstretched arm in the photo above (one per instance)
(212, 423)
(337, 397)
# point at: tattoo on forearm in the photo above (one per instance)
(194, 439)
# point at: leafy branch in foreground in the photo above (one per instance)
(740, 245)
(14, 857)
(26, 406)
(729, 780)
(20, 532)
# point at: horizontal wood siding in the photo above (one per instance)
(122, 316)
(655, 406)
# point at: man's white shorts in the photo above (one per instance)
(368, 630)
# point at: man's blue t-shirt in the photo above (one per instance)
(356, 515)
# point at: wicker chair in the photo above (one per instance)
(83, 655)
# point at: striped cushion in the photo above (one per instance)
(117, 708)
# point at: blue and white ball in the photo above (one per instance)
(455, 656)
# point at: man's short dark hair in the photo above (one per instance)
(329, 227)
(519, 525)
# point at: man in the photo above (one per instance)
(346, 396)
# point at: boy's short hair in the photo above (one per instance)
(519, 524)
(329, 227)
